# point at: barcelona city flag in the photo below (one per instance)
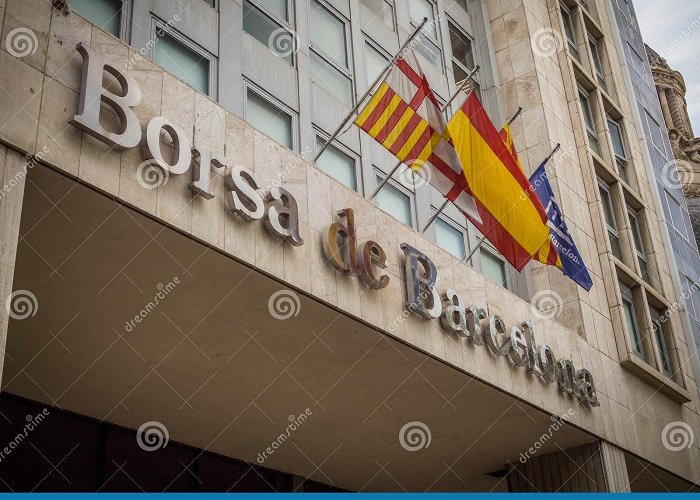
(404, 116)
(562, 244)
(512, 216)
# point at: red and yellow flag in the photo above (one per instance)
(547, 253)
(512, 216)
(404, 116)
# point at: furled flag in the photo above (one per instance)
(404, 117)
(568, 257)
(512, 216)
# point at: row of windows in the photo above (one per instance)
(330, 69)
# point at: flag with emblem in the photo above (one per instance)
(512, 216)
(405, 118)
(565, 254)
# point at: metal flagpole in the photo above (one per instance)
(371, 88)
(468, 259)
(442, 110)
(444, 205)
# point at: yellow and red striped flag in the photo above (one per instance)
(512, 216)
(547, 253)
(404, 117)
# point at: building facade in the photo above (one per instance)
(197, 327)
(670, 88)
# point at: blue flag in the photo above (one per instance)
(572, 263)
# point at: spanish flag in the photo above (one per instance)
(512, 216)
(547, 254)
(404, 116)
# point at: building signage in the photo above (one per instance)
(279, 212)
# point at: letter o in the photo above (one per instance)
(183, 155)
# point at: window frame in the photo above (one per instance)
(393, 13)
(378, 176)
(496, 255)
(587, 112)
(374, 45)
(571, 41)
(250, 86)
(424, 33)
(451, 24)
(635, 337)
(661, 344)
(596, 54)
(320, 134)
(457, 227)
(345, 71)
(159, 24)
(611, 226)
(286, 24)
(637, 234)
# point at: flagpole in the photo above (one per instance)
(464, 84)
(371, 88)
(444, 205)
(468, 259)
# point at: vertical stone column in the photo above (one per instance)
(13, 171)
(664, 106)
(594, 467)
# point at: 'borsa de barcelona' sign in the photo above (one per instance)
(278, 210)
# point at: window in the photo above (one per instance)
(665, 365)
(632, 325)
(450, 238)
(383, 10)
(330, 68)
(183, 60)
(395, 201)
(589, 122)
(429, 49)
(427, 42)
(638, 243)
(610, 221)
(569, 30)
(339, 165)
(267, 28)
(462, 55)
(618, 144)
(107, 14)
(493, 268)
(375, 63)
(597, 62)
(262, 114)
(463, 4)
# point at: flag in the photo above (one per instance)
(562, 244)
(510, 144)
(512, 216)
(404, 117)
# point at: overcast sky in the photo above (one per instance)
(672, 28)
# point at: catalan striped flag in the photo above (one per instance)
(405, 117)
(512, 216)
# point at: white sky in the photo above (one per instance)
(666, 24)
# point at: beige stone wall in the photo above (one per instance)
(41, 97)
